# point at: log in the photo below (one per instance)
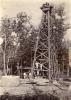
(69, 88)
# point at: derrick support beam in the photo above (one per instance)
(45, 52)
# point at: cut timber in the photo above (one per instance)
(41, 81)
(55, 82)
(9, 81)
(2, 91)
(69, 89)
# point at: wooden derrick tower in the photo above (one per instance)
(45, 53)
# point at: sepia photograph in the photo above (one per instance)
(35, 50)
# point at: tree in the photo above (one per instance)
(7, 45)
(17, 39)
(59, 32)
(26, 35)
(22, 28)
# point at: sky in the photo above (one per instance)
(32, 8)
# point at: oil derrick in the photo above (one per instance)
(45, 53)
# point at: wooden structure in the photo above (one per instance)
(45, 52)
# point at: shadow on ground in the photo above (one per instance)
(6, 96)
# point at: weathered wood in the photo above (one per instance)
(7, 81)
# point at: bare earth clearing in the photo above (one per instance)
(37, 86)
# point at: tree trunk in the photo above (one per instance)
(18, 69)
(68, 71)
(7, 65)
(5, 73)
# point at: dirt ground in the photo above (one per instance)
(37, 86)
